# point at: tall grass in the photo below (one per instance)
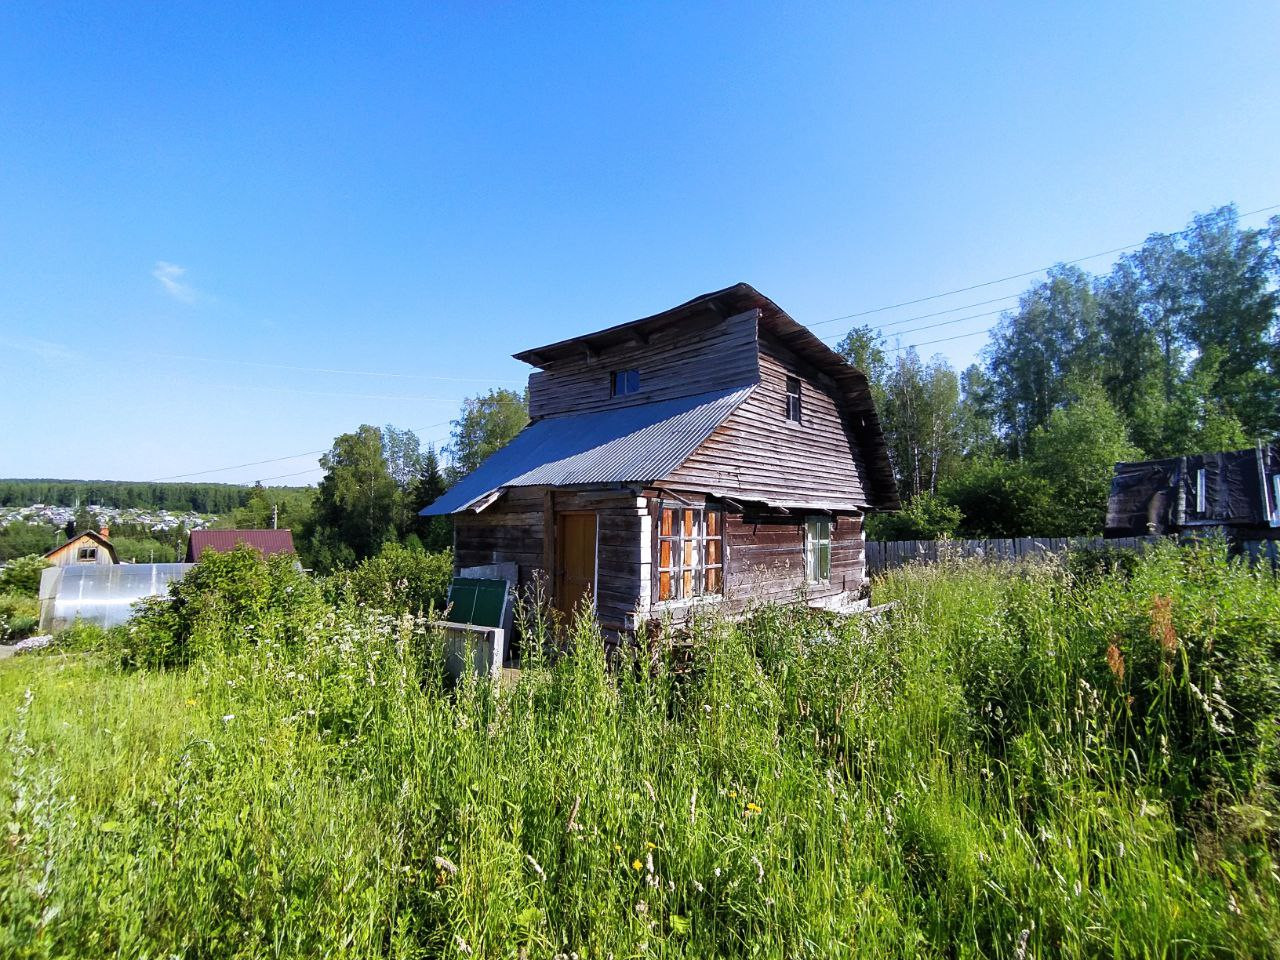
(1014, 762)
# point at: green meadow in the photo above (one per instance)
(1049, 760)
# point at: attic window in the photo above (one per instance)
(624, 382)
(793, 399)
(1202, 499)
(85, 554)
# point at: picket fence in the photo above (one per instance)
(886, 554)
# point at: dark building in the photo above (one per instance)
(716, 453)
(1235, 494)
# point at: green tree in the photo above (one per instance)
(998, 497)
(927, 517)
(434, 533)
(403, 453)
(355, 504)
(1075, 454)
(487, 423)
(18, 539)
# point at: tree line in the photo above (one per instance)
(209, 498)
(1174, 351)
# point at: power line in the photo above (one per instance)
(936, 313)
(1030, 273)
(334, 370)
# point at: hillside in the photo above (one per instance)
(1016, 762)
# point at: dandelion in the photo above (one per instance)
(751, 809)
(637, 865)
(733, 794)
(651, 846)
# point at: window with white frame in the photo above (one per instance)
(1275, 496)
(690, 551)
(817, 549)
(1202, 497)
(624, 382)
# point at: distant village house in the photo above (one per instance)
(716, 454)
(266, 542)
(86, 547)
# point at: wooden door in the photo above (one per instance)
(575, 561)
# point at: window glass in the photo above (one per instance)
(623, 382)
(88, 553)
(793, 399)
(690, 552)
(1202, 503)
(817, 544)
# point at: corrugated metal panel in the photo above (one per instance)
(102, 594)
(266, 542)
(629, 445)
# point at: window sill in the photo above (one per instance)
(711, 599)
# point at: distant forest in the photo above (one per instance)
(214, 498)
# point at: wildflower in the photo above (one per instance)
(1115, 662)
(462, 945)
(752, 808)
(537, 868)
(651, 846)
(617, 848)
(636, 864)
(759, 869)
(732, 794)
(642, 908)
(447, 865)
(228, 718)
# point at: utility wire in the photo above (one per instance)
(1030, 273)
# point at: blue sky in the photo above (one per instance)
(197, 201)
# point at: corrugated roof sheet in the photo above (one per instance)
(629, 445)
(224, 541)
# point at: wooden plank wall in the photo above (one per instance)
(520, 529)
(757, 453)
(766, 562)
(677, 362)
(884, 555)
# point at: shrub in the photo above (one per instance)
(226, 601)
(23, 575)
(397, 580)
(927, 517)
(19, 616)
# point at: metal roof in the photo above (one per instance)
(636, 444)
(266, 542)
(854, 388)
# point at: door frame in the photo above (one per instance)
(557, 588)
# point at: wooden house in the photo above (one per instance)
(717, 453)
(86, 547)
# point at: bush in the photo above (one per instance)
(397, 580)
(927, 517)
(19, 617)
(226, 601)
(23, 575)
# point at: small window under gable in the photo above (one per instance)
(793, 399)
(624, 382)
(87, 554)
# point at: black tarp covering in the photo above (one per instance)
(1164, 496)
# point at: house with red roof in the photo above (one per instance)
(266, 542)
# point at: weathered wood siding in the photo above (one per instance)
(884, 555)
(65, 555)
(674, 363)
(520, 529)
(766, 560)
(757, 453)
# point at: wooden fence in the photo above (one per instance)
(886, 554)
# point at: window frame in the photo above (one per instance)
(1202, 492)
(624, 383)
(795, 399)
(1275, 496)
(813, 552)
(688, 575)
(86, 554)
